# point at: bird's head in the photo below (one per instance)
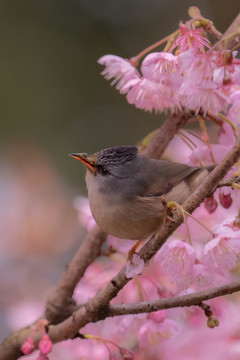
(111, 161)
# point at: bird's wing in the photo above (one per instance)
(166, 176)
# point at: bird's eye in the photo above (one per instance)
(103, 171)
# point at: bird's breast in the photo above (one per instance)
(133, 219)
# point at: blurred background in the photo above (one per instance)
(53, 102)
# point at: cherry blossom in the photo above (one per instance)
(162, 67)
(177, 258)
(220, 255)
(207, 96)
(118, 69)
(191, 39)
(148, 95)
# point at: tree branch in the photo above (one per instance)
(230, 41)
(173, 302)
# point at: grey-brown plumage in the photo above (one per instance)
(125, 189)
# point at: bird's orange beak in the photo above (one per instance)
(88, 160)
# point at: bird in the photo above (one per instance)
(126, 189)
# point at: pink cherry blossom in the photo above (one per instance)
(199, 278)
(118, 69)
(191, 39)
(162, 67)
(197, 67)
(220, 255)
(151, 333)
(134, 267)
(206, 95)
(176, 258)
(148, 95)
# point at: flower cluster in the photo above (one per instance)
(194, 77)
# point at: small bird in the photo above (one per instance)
(125, 189)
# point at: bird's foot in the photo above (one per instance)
(132, 251)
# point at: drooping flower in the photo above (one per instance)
(205, 95)
(148, 95)
(118, 69)
(197, 67)
(176, 258)
(220, 255)
(162, 67)
(191, 39)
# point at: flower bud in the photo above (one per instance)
(225, 200)
(28, 346)
(210, 204)
(212, 322)
(45, 344)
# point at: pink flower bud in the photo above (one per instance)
(210, 204)
(126, 354)
(28, 346)
(157, 316)
(225, 200)
(45, 344)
